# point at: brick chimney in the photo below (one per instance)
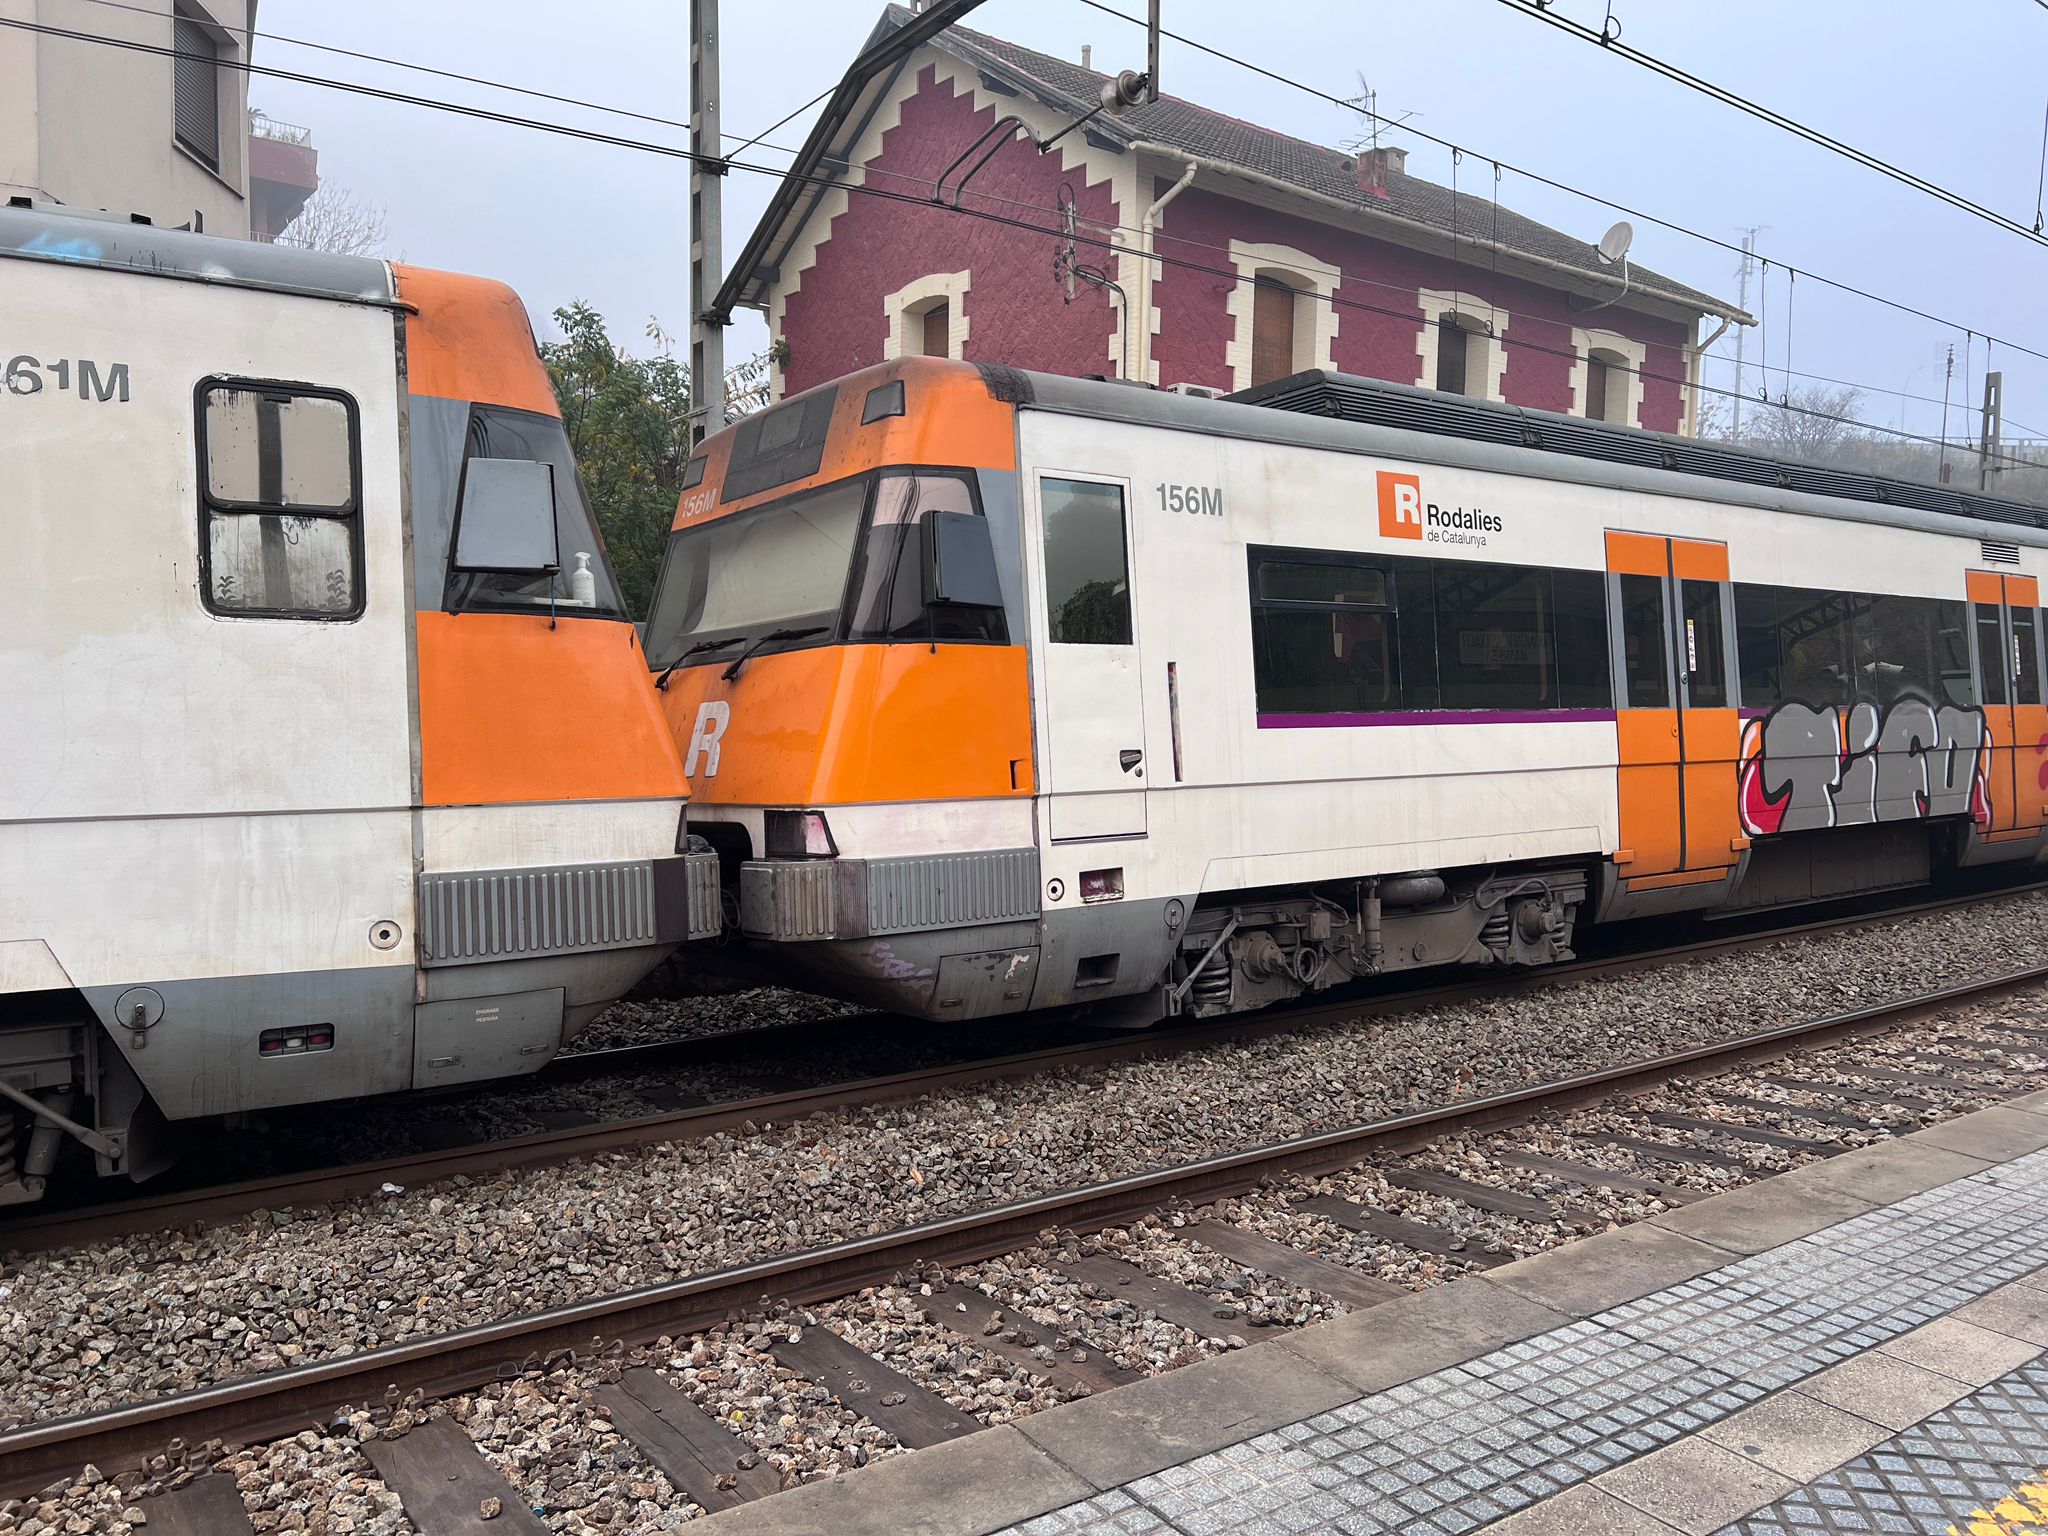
(1373, 167)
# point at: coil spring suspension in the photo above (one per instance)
(1497, 932)
(9, 1163)
(1212, 983)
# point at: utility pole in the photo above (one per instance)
(707, 209)
(1742, 331)
(1994, 428)
(1948, 374)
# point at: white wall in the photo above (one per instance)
(90, 125)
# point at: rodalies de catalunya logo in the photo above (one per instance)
(1405, 515)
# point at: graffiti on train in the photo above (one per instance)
(1804, 767)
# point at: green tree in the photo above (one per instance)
(628, 422)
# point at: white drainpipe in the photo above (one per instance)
(1692, 376)
(1147, 227)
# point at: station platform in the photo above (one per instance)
(1860, 1345)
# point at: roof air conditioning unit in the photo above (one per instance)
(1199, 391)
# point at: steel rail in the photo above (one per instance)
(44, 1231)
(280, 1402)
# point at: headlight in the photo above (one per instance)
(797, 835)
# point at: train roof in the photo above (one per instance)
(1347, 413)
(39, 232)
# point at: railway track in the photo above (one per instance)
(41, 1228)
(673, 1434)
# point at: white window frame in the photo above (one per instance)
(1632, 353)
(903, 315)
(1486, 354)
(1315, 315)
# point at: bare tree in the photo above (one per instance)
(1815, 422)
(336, 220)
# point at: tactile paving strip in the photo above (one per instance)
(1452, 1451)
(1951, 1471)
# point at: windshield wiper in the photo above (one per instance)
(732, 672)
(701, 646)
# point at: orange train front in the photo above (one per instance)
(1000, 691)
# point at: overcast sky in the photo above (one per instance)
(1955, 94)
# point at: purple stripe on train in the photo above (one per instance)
(1434, 717)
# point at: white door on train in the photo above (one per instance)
(1093, 709)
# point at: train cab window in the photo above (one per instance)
(2026, 687)
(889, 590)
(281, 502)
(1087, 571)
(1994, 660)
(1705, 660)
(1645, 649)
(583, 586)
(729, 583)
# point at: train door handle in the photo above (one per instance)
(1129, 759)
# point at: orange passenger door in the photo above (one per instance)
(1676, 729)
(2005, 622)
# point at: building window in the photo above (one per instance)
(1283, 315)
(1607, 377)
(1453, 356)
(1596, 387)
(195, 109)
(281, 515)
(938, 330)
(927, 317)
(1462, 350)
(1273, 305)
(1087, 578)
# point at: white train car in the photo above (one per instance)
(1003, 691)
(332, 768)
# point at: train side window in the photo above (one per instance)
(1994, 661)
(1087, 571)
(1323, 639)
(1706, 663)
(1906, 646)
(1578, 612)
(1757, 657)
(2026, 687)
(1645, 648)
(281, 514)
(1494, 638)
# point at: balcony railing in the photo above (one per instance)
(261, 127)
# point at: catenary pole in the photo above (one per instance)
(707, 208)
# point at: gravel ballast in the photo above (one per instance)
(160, 1313)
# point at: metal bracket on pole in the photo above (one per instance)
(707, 210)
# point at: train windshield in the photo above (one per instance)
(782, 566)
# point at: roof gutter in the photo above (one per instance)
(845, 98)
(1435, 234)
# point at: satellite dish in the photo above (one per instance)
(1615, 243)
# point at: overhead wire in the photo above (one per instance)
(1608, 37)
(1547, 181)
(760, 138)
(822, 181)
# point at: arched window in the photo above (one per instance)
(927, 317)
(1607, 385)
(1273, 317)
